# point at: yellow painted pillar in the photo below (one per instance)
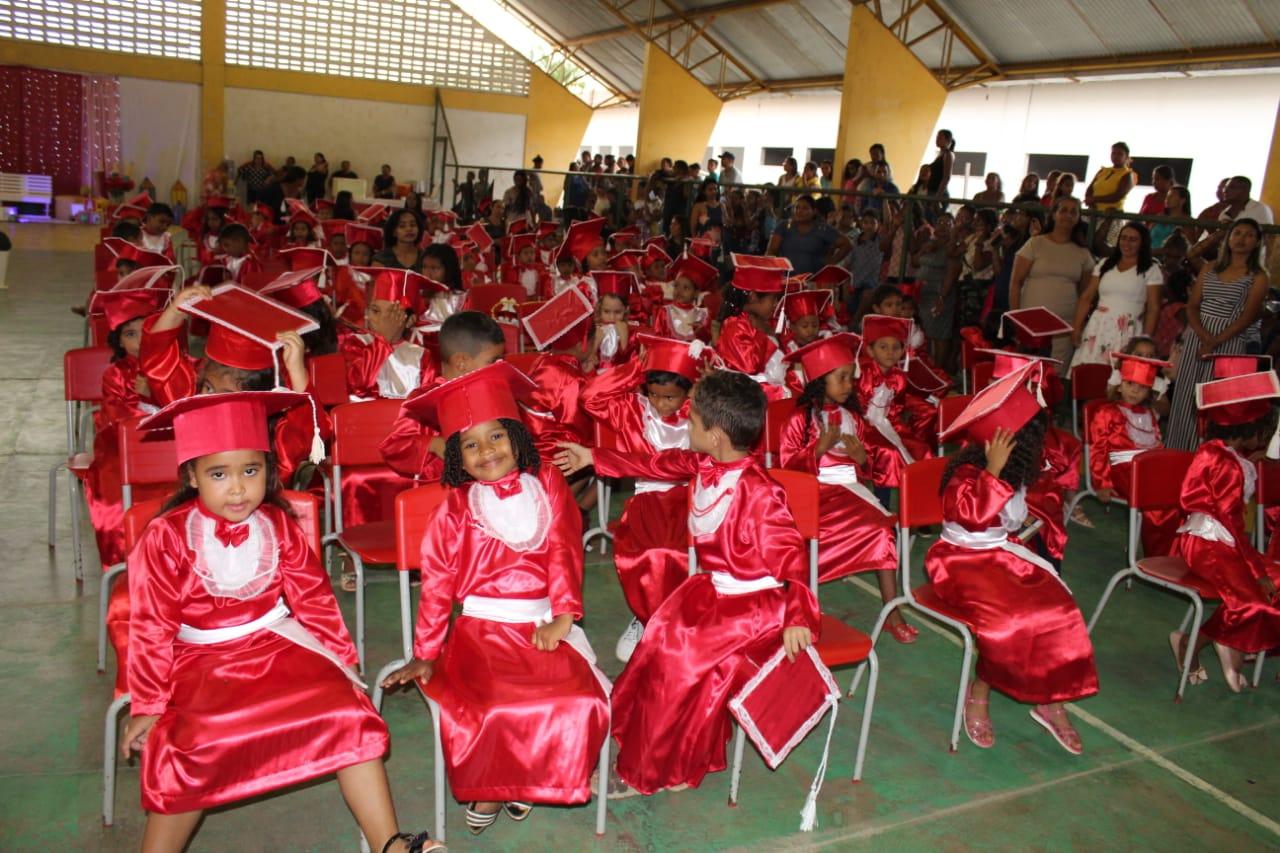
(213, 42)
(677, 113)
(888, 96)
(1270, 196)
(554, 125)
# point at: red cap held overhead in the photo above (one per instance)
(244, 326)
(488, 394)
(760, 273)
(1004, 404)
(703, 275)
(307, 257)
(1035, 327)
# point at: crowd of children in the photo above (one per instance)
(641, 362)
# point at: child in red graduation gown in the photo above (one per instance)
(682, 317)
(898, 435)
(1032, 642)
(800, 320)
(609, 343)
(645, 401)
(240, 668)
(746, 341)
(670, 706)
(1212, 538)
(384, 361)
(1122, 429)
(524, 710)
(824, 437)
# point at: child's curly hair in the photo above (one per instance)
(814, 397)
(526, 453)
(1023, 467)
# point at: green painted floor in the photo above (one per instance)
(1155, 775)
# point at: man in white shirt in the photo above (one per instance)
(1240, 206)
(728, 174)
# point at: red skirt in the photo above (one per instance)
(671, 704)
(1245, 620)
(1045, 502)
(1032, 643)
(252, 716)
(855, 536)
(651, 548)
(517, 723)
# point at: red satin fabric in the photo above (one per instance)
(1032, 643)
(854, 536)
(555, 407)
(663, 326)
(1245, 620)
(1046, 497)
(1107, 434)
(670, 705)
(651, 538)
(746, 349)
(365, 354)
(252, 715)
(517, 723)
(916, 431)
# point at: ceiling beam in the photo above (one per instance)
(715, 10)
(1159, 61)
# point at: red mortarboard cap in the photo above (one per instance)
(324, 204)
(476, 234)
(296, 289)
(557, 316)
(1226, 366)
(1006, 361)
(581, 238)
(136, 206)
(215, 423)
(546, 228)
(299, 212)
(682, 358)
(334, 228)
(703, 275)
(653, 252)
(374, 214)
(703, 247)
(627, 259)
(620, 283)
(120, 306)
(877, 326)
(924, 378)
(625, 238)
(222, 202)
(1143, 371)
(123, 250)
(1034, 327)
(367, 234)
(1238, 399)
(264, 210)
(760, 273)
(827, 354)
(306, 257)
(519, 226)
(149, 278)
(244, 325)
(1004, 404)
(830, 276)
(403, 286)
(488, 394)
(807, 303)
(512, 244)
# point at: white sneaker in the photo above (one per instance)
(629, 640)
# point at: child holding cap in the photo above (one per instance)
(747, 343)
(900, 433)
(240, 666)
(683, 317)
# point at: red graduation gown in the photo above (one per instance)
(856, 533)
(1111, 432)
(247, 716)
(517, 723)
(888, 387)
(1032, 643)
(671, 704)
(1046, 497)
(365, 353)
(748, 350)
(650, 539)
(1215, 486)
(682, 322)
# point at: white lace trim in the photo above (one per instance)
(1141, 427)
(1250, 475)
(240, 572)
(659, 434)
(520, 522)
(711, 504)
(685, 321)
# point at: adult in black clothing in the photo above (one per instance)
(401, 234)
(342, 206)
(1029, 191)
(288, 186)
(940, 172)
(344, 171)
(675, 203)
(384, 186)
(317, 179)
(256, 174)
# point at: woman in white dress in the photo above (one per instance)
(1127, 285)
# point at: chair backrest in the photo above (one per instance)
(522, 361)
(328, 375)
(136, 519)
(82, 371)
(152, 461)
(1157, 478)
(982, 375)
(414, 510)
(920, 498)
(712, 300)
(1089, 381)
(802, 498)
(512, 337)
(102, 257)
(1090, 412)
(949, 408)
(484, 297)
(98, 330)
(775, 417)
(306, 508)
(358, 429)
(968, 354)
(1268, 482)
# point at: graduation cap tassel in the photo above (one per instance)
(1273, 446)
(809, 812)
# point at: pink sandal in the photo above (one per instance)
(904, 633)
(980, 732)
(1064, 733)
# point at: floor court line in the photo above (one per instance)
(1129, 743)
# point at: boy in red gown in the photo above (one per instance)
(747, 343)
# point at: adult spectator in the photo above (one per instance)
(826, 173)
(1107, 192)
(1154, 203)
(343, 171)
(1226, 301)
(631, 164)
(809, 178)
(712, 174)
(288, 186)
(1236, 205)
(790, 176)
(401, 236)
(217, 181)
(728, 172)
(878, 186)
(1051, 271)
(1212, 211)
(675, 199)
(535, 183)
(1028, 190)
(256, 174)
(464, 197)
(1128, 285)
(384, 186)
(577, 195)
(289, 163)
(317, 179)
(877, 155)
(940, 169)
(1177, 202)
(807, 241)
(518, 199)
(1050, 187)
(342, 206)
(994, 192)
(695, 171)
(707, 211)
(850, 180)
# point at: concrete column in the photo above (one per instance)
(677, 113)
(213, 42)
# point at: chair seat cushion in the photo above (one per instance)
(927, 599)
(374, 542)
(1176, 570)
(840, 645)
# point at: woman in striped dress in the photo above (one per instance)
(1225, 302)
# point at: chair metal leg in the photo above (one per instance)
(406, 624)
(53, 505)
(1257, 668)
(376, 698)
(602, 785)
(739, 742)
(110, 737)
(439, 769)
(104, 598)
(359, 565)
(868, 705)
(77, 553)
(1186, 619)
(900, 601)
(1106, 594)
(967, 636)
(1198, 605)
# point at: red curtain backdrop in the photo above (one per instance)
(42, 125)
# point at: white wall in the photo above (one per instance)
(368, 133)
(160, 133)
(487, 139)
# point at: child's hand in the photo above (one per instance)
(135, 734)
(141, 385)
(854, 449)
(172, 318)
(389, 324)
(294, 355)
(414, 670)
(546, 638)
(796, 639)
(998, 450)
(826, 440)
(1104, 495)
(572, 458)
(1268, 586)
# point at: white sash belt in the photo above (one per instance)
(877, 417)
(645, 486)
(278, 621)
(847, 476)
(727, 584)
(1120, 457)
(519, 611)
(1207, 527)
(993, 538)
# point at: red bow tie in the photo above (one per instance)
(230, 535)
(507, 485)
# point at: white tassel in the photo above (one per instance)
(809, 812)
(1040, 396)
(317, 443)
(1273, 446)
(695, 349)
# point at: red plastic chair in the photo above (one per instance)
(1268, 496)
(968, 358)
(838, 644)
(1157, 477)
(981, 376)
(949, 408)
(328, 376)
(358, 430)
(776, 416)
(486, 296)
(102, 257)
(522, 361)
(1088, 382)
(605, 439)
(82, 371)
(1088, 490)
